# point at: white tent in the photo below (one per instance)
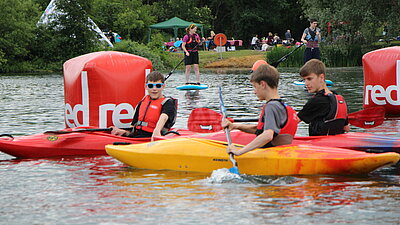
(51, 11)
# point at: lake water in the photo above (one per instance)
(101, 190)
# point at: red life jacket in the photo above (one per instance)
(149, 113)
(192, 42)
(291, 123)
(338, 108)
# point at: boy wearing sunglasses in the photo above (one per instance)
(277, 123)
(154, 114)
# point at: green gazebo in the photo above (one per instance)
(174, 23)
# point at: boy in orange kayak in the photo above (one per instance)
(326, 111)
(277, 124)
(154, 114)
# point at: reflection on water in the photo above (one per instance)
(92, 190)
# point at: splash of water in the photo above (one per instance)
(224, 176)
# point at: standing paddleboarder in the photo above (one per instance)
(311, 37)
(190, 43)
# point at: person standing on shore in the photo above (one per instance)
(190, 43)
(311, 37)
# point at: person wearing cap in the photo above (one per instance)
(277, 123)
(155, 114)
(189, 45)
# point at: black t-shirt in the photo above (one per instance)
(169, 108)
(314, 113)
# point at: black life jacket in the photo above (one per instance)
(313, 34)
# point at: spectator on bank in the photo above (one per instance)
(270, 38)
(210, 41)
(254, 42)
(288, 38)
(277, 39)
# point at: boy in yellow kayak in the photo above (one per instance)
(277, 123)
(326, 111)
(154, 114)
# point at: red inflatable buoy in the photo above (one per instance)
(257, 64)
(382, 79)
(102, 88)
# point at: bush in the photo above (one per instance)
(142, 50)
(296, 59)
(341, 54)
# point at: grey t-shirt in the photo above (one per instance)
(275, 116)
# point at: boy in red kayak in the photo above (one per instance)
(154, 114)
(326, 111)
(277, 124)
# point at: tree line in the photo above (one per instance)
(28, 46)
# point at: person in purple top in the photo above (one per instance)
(190, 44)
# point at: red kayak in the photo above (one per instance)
(84, 141)
(81, 141)
(87, 141)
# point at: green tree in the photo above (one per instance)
(66, 36)
(356, 20)
(355, 26)
(17, 27)
(242, 19)
(188, 10)
(129, 18)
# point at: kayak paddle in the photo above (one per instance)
(235, 168)
(205, 120)
(173, 70)
(367, 118)
(275, 64)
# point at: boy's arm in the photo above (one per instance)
(247, 128)
(160, 125)
(257, 142)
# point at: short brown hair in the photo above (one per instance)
(312, 66)
(266, 73)
(155, 76)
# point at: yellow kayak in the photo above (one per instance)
(203, 155)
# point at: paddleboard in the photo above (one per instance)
(192, 87)
(328, 82)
